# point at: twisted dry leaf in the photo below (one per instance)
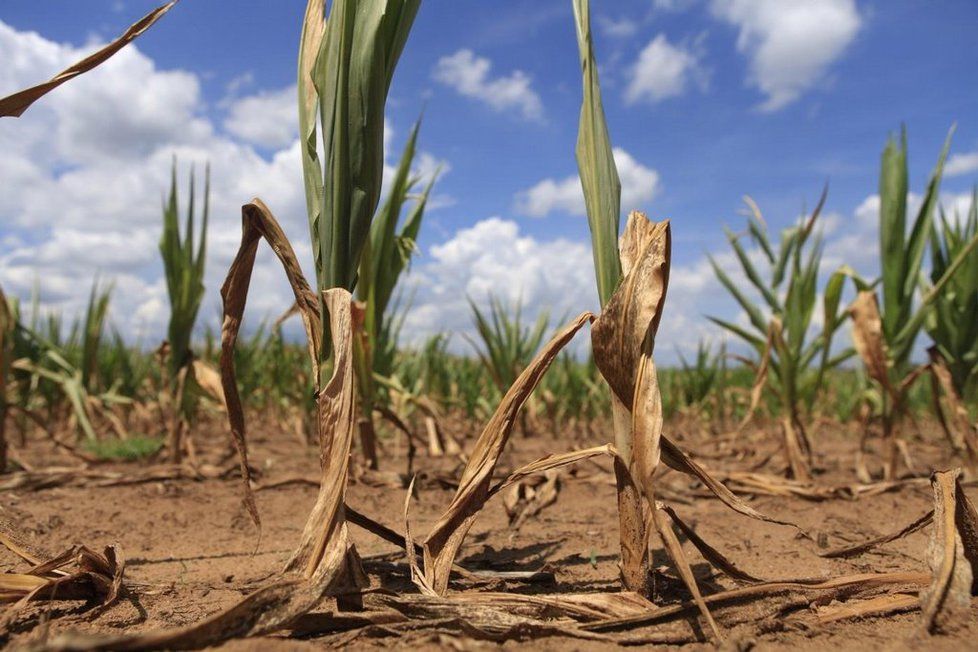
(867, 337)
(849, 585)
(859, 548)
(711, 554)
(445, 538)
(633, 312)
(257, 222)
(677, 459)
(675, 551)
(959, 428)
(15, 105)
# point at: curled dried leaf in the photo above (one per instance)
(867, 337)
(958, 428)
(677, 459)
(15, 105)
(78, 573)
(445, 538)
(257, 222)
(633, 312)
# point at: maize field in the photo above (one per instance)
(804, 480)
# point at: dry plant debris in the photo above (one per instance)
(15, 105)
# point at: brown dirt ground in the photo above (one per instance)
(190, 545)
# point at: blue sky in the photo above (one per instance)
(707, 99)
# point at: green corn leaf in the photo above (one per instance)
(350, 72)
(596, 164)
(742, 333)
(184, 267)
(758, 228)
(756, 318)
(903, 341)
(752, 275)
(917, 242)
(893, 226)
(788, 240)
(379, 266)
(95, 314)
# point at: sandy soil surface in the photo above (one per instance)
(191, 547)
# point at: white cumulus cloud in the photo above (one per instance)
(639, 186)
(961, 164)
(85, 169)
(469, 75)
(790, 44)
(618, 27)
(268, 119)
(493, 257)
(663, 70)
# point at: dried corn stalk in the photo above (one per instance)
(952, 554)
(957, 422)
(622, 339)
(325, 554)
(325, 560)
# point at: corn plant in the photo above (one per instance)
(65, 371)
(184, 257)
(85, 340)
(507, 344)
(695, 383)
(953, 328)
(426, 369)
(602, 198)
(792, 359)
(632, 278)
(385, 256)
(953, 323)
(573, 391)
(346, 64)
(131, 369)
(885, 333)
